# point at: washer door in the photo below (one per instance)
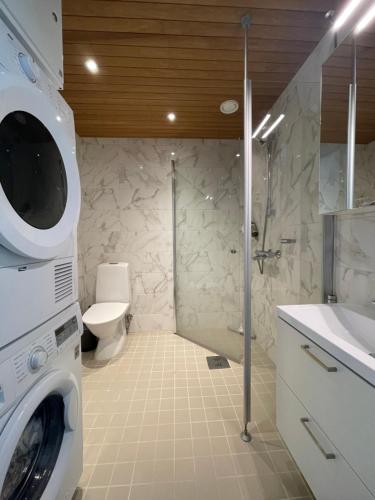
(36, 437)
(39, 181)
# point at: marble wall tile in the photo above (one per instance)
(127, 216)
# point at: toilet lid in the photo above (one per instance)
(105, 311)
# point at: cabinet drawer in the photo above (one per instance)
(340, 402)
(326, 471)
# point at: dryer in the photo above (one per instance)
(40, 412)
(39, 194)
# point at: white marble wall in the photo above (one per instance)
(127, 216)
(295, 277)
(332, 181)
(209, 220)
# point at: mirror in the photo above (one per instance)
(347, 153)
(364, 163)
(337, 74)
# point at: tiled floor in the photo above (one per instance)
(158, 424)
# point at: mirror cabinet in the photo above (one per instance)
(347, 142)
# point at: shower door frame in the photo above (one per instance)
(247, 166)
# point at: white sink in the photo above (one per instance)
(345, 331)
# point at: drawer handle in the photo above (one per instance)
(327, 456)
(307, 350)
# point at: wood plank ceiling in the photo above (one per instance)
(183, 56)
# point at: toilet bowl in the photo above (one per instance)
(106, 318)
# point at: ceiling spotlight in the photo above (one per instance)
(92, 65)
(171, 117)
(273, 126)
(346, 13)
(228, 107)
(261, 125)
(365, 20)
(173, 153)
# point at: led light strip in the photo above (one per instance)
(261, 125)
(346, 13)
(273, 126)
(365, 20)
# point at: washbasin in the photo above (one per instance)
(345, 331)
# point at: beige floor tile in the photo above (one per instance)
(163, 471)
(184, 469)
(95, 494)
(101, 475)
(127, 452)
(164, 449)
(143, 472)
(159, 425)
(122, 473)
(118, 493)
(185, 490)
(183, 448)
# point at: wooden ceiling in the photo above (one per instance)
(183, 56)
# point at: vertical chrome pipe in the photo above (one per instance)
(350, 170)
(245, 436)
(173, 167)
(328, 263)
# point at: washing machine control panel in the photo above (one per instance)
(36, 356)
(29, 358)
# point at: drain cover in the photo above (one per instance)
(372, 354)
(217, 362)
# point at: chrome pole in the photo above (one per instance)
(173, 165)
(245, 436)
(352, 132)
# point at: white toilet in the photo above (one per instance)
(106, 318)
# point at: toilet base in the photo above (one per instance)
(108, 348)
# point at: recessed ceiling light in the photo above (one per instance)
(173, 153)
(228, 107)
(346, 13)
(171, 117)
(92, 65)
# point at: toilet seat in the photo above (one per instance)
(104, 312)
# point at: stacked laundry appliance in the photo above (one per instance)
(40, 319)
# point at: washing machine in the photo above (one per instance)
(39, 194)
(40, 411)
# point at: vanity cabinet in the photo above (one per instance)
(38, 25)
(326, 416)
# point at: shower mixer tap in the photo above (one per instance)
(266, 254)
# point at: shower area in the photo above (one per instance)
(207, 190)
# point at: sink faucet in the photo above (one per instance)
(266, 254)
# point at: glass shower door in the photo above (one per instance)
(208, 246)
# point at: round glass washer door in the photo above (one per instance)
(39, 180)
(36, 443)
(32, 172)
(36, 453)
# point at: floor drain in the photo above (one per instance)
(217, 362)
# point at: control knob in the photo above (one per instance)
(37, 359)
